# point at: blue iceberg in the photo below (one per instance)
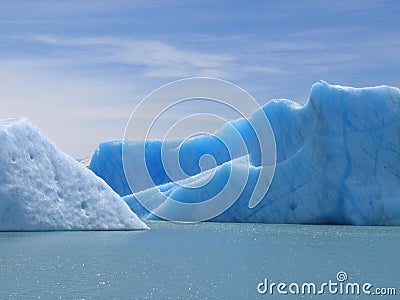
(337, 162)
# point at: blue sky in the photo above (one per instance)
(78, 68)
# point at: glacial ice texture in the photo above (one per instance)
(42, 188)
(337, 162)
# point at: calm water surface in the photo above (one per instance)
(195, 261)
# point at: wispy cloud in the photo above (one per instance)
(158, 58)
(264, 69)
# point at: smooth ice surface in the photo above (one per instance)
(42, 188)
(174, 160)
(338, 162)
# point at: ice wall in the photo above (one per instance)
(338, 162)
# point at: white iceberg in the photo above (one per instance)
(338, 162)
(42, 188)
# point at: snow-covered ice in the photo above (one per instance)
(337, 162)
(42, 188)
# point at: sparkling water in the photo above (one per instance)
(204, 261)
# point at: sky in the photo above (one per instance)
(77, 69)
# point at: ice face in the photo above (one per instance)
(42, 188)
(195, 155)
(338, 162)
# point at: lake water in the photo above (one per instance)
(196, 261)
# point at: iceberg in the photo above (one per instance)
(337, 162)
(42, 188)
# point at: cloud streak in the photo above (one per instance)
(158, 58)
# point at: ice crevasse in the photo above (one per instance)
(337, 162)
(42, 188)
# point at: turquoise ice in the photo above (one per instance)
(337, 162)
